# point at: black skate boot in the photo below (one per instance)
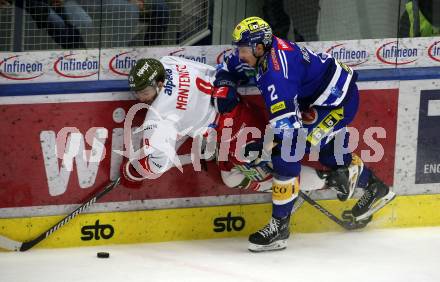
(344, 179)
(376, 196)
(272, 237)
(337, 180)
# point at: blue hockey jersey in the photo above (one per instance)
(293, 78)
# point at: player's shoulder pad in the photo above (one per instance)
(288, 50)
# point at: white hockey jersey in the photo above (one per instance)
(182, 108)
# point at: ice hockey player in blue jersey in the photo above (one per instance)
(293, 79)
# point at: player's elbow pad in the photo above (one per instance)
(160, 149)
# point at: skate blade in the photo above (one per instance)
(277, 245)
(378, 205)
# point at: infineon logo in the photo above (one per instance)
(347, 56)
(391, 53)
(178, 53)
(15, 69)
(75, 67)
(434, 51)
(122, 63)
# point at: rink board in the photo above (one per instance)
(208, 222)
(31, 134)
(115, 63)
(400, 94)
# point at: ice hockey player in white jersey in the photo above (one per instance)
(178, 92)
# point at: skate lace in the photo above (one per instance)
(270, 228)
(366, 197)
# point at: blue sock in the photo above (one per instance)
(364, 177)
(280, 211)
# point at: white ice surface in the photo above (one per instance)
(403, 255)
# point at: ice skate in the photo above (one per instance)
(376, 196)
(272, 237)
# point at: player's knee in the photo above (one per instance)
(285, 169)
(232, 178)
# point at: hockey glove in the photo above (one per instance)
(130, 178)
(224, 95)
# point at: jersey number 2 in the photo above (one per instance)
(271, 89)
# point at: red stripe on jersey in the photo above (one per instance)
(204, 86)
(283, 45)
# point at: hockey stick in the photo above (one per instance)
(344, 224)
(13, 245)
(298, 203)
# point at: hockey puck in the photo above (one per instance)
(103, 255)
